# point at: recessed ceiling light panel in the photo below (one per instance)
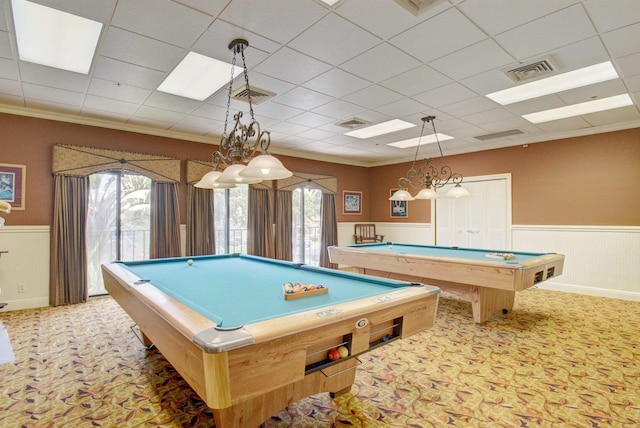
(380, 129)
(197, 77)
(579, 109)
(54, 38)
(554, 84)
(426, 139)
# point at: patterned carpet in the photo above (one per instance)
(557, 360)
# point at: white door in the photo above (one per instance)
(481, 221)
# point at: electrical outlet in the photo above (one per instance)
(21, 288)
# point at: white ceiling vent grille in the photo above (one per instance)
(418, 7)
(257, 95)
(353, 123)
(499, 134)
(532, 70)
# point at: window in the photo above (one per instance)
(118, 222)
(306, 204)
(231, 209)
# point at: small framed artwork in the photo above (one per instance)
(12, 185)
(351, 202)
(398, 208)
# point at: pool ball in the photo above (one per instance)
(344, 352)
(189, 262)
(333, 354)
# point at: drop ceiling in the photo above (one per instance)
(368, 60)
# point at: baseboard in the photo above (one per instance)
(591, 291)
(16, 305)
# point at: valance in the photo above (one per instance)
(82, 161)
(325, 183)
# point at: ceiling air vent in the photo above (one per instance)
(499, 134)
(418, 7)
(531, 71)
(353, 123)
(257, 95)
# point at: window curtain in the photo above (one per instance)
(201, 235)
(328, 228)
(68, 263)
(260, 224)
(284, 233)
(165, 221)
(71, 167)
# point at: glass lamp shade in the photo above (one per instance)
(209, 181)
(458, 191)
(265, 167)
(230, 176)
(401, 195)
(427, 193)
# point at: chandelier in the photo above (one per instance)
(235, 161)
(428, 176)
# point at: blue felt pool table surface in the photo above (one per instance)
(233, 290)
(447, 252)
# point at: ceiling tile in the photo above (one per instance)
(609, 15)
(170, 22)
(403, 107)
(10, 87)
(547, 33)
(311, 119)
(139, 50)
(434, 38)
(321, 39)
(336, 83)
(303, 98)
(118, 91)
(445, 95)
(373, 96)
(6, 51)
(383, 18)
(339, 109)
(380, 63)
(54, 77)
(9, 69)
(420, 79)
(52, 95)
(624, 41)
(292, 66)
(280, 21)
(110, 105)
(483, 56)
(511, 13)
(130, 74)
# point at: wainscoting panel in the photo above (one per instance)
(600, 261)
(24, 270)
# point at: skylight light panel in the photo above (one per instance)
(380, 129)
(554, 84)
(580, 109)
(426, 139)
(197, 77)
(54, 38)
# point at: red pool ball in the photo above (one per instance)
(333, 354)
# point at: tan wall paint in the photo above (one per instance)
(592, 180)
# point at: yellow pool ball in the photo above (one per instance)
(189, 262)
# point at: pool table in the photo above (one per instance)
(224, 324)
(490, 284)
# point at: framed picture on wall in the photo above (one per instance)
(12, 185)
(398, 208)
(351, 202)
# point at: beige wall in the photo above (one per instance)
(591, 180)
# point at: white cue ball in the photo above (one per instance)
(189, 262)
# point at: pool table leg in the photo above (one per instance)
(485, 302)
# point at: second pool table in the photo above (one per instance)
(225, 326)
(489, 284)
